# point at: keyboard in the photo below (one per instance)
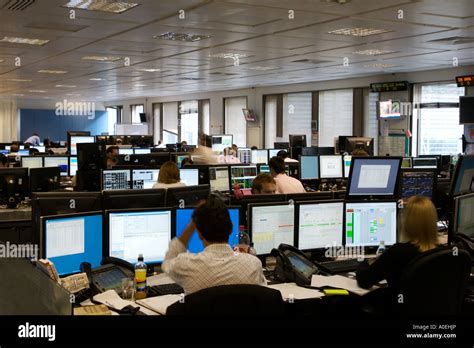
(340, 266)
(164, 289)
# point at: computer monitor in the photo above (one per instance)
(309, 151)
(319, 224)
(79, 139)
(141, 151)
(463, 178)
(364, 143)
(407, 162)
(189, 176)
(309, 167)
(425, 163)
(125, 151)
(144, 178)
(347, 159)
(13, 186)
(219, 179)
(220, 142)
(180, 158)
(44, 179)
(369, 223)
(183, 217)
(270, 225)
(72, 165)
(58, 161)
(274, 152)
(23, 153)
(259, 156)
(91, 157)
(281, 146)
(297, 140)
(127, 199)
(141, 231)
(187, 195)
(309, 196)
(116, 179)
(373, 176)
(32, 162)
(330, 167)
(148, 160)
(69, 240)
(244, 155)
(242, 176)
(245, 201)
(263, 168)
(39, 148)
(464, 215)
(418, 182)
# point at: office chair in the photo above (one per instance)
(231, 300)
(434, 283)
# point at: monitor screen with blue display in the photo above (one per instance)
(69, 240)
(183, 217)
(464, 177)
(309, 167)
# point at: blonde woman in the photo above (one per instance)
(418, 234)
(169, 176)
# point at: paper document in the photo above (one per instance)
(159, 303)
(111, 299)
(339, 282)
(289, 290)
(75, 282)
(159, 279)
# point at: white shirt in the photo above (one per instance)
(33, 140)
(216, 265)
(290, 160)
(286, 184)
(160, 185)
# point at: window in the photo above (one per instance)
(297, 109)
(371, 123)
(335, 115)
(437, 119)
(136, 111)
(113, 117)
(170, 123)
(206, 116)
(235, 122)
(156, 122)
(271, 102)
(189, 121)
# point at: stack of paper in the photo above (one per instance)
(291, 290)
(339, 282)
(159, 304)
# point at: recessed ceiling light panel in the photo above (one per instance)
(24, 40)
(101, 5)
(46, 71)
(186, 37)
(358, 32)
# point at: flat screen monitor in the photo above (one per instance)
(183, 217)
(134, 232)
(425, 163)
(369, 223)
(389, 109)
(274, 152)
(39, 148)
(180, 158)
(219, 178)
(125, 151)
(244, 155)
(220, 142)
(69, 240)
(242, 176)
(116, 179)
(373, 176)
(24, 153)
(309, 167)
(466, 110)
(347, 159)
(330, 167)
(281, 145)
(13, 185)
(188, 195)
(464, 215)
(320, 225)
(78, 139)
(418, 182)
(32, 162)
(44, 179)
(270, 225)
(58, 161)
(297, 140)
(72, 165)
(407, 162)
(144, 178)
(463, 179)
(141, 151)
(310, 151)
(137, 199)
(189, 176)
(364, 143)
(259, 156)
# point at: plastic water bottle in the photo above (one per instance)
(140, 278)
(381, 248)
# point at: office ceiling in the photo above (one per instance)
(273, 49)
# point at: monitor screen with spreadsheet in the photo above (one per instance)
(242, 176)
(116, 179)
(134, 232)
(244, 155)
(58, 161)
(72, 166)
(369, 223)
(32, 162)
(270, 225)
(259, 156)
(320, 225)
(125, 151)
(330, 167)
(144, 178)
(79, 139)
(219, 178)
(68, 240)
(141, 151)
(418, 182)
(464, 215)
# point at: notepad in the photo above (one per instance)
(340, 282)
(291, 290)
(159, 304)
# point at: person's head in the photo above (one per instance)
(229, 151)
(186, 162)
(212, 221)
(254, 148)
(111, 161)
(3, 161)
(263, 184)
(235, 148)
(419, 220)
(15, 148)
(360, 153)
(112, 151)
(277, 165)
(283, 154)
(36, 134)
(169, 173)
(119, 141)
(184, 143)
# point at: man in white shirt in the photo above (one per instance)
(218, 264)
(283, 154)
(284, 183)
(33, 140)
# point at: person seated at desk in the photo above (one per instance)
(218, 264)
(3, 161)
(263, 184)
(283, 154)
(284, 183)
(229, 156)
(169, 176)
(419, 234)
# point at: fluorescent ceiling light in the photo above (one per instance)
(228, 55)
(95, 79)
(101, 58)
(150, 70)
(19, 80)
(66, 86)
(101, 5)
(373, 52)
(139, 85)
(263, 68)
(24, 40)
(45, 71)
(73, 95)
(359, 32)
(379, 65)
(36, 91)
(186, 37)
(18, 95)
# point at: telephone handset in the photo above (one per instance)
(109, 275)
(292, 265)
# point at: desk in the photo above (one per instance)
(16, 225)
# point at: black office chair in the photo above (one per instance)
(434, 283)
(231, 300)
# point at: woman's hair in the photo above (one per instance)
(169, 173)
(419, 220)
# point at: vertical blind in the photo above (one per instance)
(371, 123)
(270, 120)
(170, 117)
(297, 115)
(335, 115)
(235, 122)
